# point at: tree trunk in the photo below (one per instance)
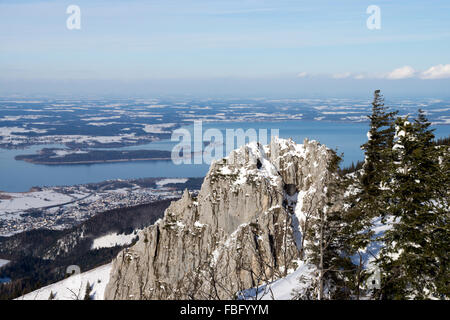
(321, 262)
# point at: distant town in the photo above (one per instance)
(59, 208)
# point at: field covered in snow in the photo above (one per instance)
(36, 199)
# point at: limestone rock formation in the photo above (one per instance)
(244, 229)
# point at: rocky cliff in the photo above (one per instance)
(244, 229)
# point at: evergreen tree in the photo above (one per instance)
(367, 200)
(366, 195)
(51, 296)
(87, 294)
(378, 157)
(414, 260)
(325, 245)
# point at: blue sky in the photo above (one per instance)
(249, 47)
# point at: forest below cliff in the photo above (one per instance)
(37, 262)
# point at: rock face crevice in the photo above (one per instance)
(243, 230)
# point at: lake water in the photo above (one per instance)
(19, 176)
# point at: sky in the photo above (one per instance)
(242, 48)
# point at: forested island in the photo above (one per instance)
(54, 156)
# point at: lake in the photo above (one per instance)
(20, 176)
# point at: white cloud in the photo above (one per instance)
(440, 71)
(302, 75)
(343, 75)
(360, 76)
(401, 73)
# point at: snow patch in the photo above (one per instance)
(158, 128)
(31, 200)
(112, 240)
(283, 289)
(74, 287)
(162, 183)
(3, 262)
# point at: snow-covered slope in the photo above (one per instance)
(3, 262)
(113, 239)
(74, 287)
(284, 288)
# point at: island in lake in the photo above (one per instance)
(55, 156)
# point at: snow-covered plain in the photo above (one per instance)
(74, 287)
(158, 128)
(7, 131)
(30, 200)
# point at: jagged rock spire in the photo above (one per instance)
(237, 234)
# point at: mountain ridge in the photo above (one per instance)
(246, 227)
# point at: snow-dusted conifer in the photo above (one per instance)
(414, 260)
(366, 195)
